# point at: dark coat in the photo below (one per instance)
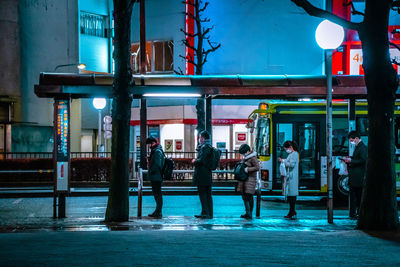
(253, 166)
(202, 173)
(156, 163)
(358, 165)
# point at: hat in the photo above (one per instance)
(150, 140)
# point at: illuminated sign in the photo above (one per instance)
(62, 136)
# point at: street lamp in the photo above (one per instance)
(99, 104)
(329, 36)
(80, 66)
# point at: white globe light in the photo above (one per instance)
(99, 103)
(329, 35)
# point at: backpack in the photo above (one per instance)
(215, 157)
(168, 167)
(240, 173)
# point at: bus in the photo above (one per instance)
(303, 121)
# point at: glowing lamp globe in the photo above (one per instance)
(99, 103)
(329, 35)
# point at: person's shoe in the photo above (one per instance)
(155, 215)
(291, 216)
(243, 216)
(201, 216)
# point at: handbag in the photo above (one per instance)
(240, 173)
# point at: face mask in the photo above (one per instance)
(353, 143)
(288, 151)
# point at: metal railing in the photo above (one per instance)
(47, 155)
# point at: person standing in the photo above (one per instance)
(292, 176)
(202, 177)
(357, 165)
(248, 187)
(155, 165)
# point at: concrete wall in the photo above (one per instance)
(257, 37)
(9, 49)
(49, 30)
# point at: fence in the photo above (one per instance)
(176, 155)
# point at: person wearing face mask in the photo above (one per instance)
(292, 176)
(248, 187)
(357, 165)
(155, 165)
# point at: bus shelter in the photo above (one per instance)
(64, 87)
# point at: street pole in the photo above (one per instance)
(328, 71)
(99, 135)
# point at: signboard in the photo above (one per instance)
(62, 136)
(62, 144)
(178, 145)
(168, 145)
(240, 138)
(356, 60)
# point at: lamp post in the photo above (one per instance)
(80, 66)
(329, 36)
(99, 104)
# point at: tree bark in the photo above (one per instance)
(379, 206)
(118, 197)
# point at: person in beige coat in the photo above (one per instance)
(248, 187)
(292, 176)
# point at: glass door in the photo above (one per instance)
(305, 134)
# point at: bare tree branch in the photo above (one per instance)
(205, 20)
(186, 43)
(353, 9)
(189, 34)
(317, 12)
(180, 72)
(204, 7)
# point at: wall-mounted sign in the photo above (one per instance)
(178, 145)
(240, 138)
(356, 60)
(168, 145)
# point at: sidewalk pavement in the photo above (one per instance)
(32, 238)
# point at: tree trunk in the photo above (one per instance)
(200, 115)
(379, 206)
(118, 197)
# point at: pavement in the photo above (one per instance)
(30, 237)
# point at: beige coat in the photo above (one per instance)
(253, 166)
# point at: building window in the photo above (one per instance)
(92, 24)
(159, 57)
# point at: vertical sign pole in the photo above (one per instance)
(328, 69)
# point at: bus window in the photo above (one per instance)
(340, 130)
(362, 126)
(263, 137)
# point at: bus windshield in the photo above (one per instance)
(263, 137)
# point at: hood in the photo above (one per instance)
(254, 154)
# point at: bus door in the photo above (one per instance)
(306, 135)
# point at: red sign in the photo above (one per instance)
(178, 145)
(241, 137)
